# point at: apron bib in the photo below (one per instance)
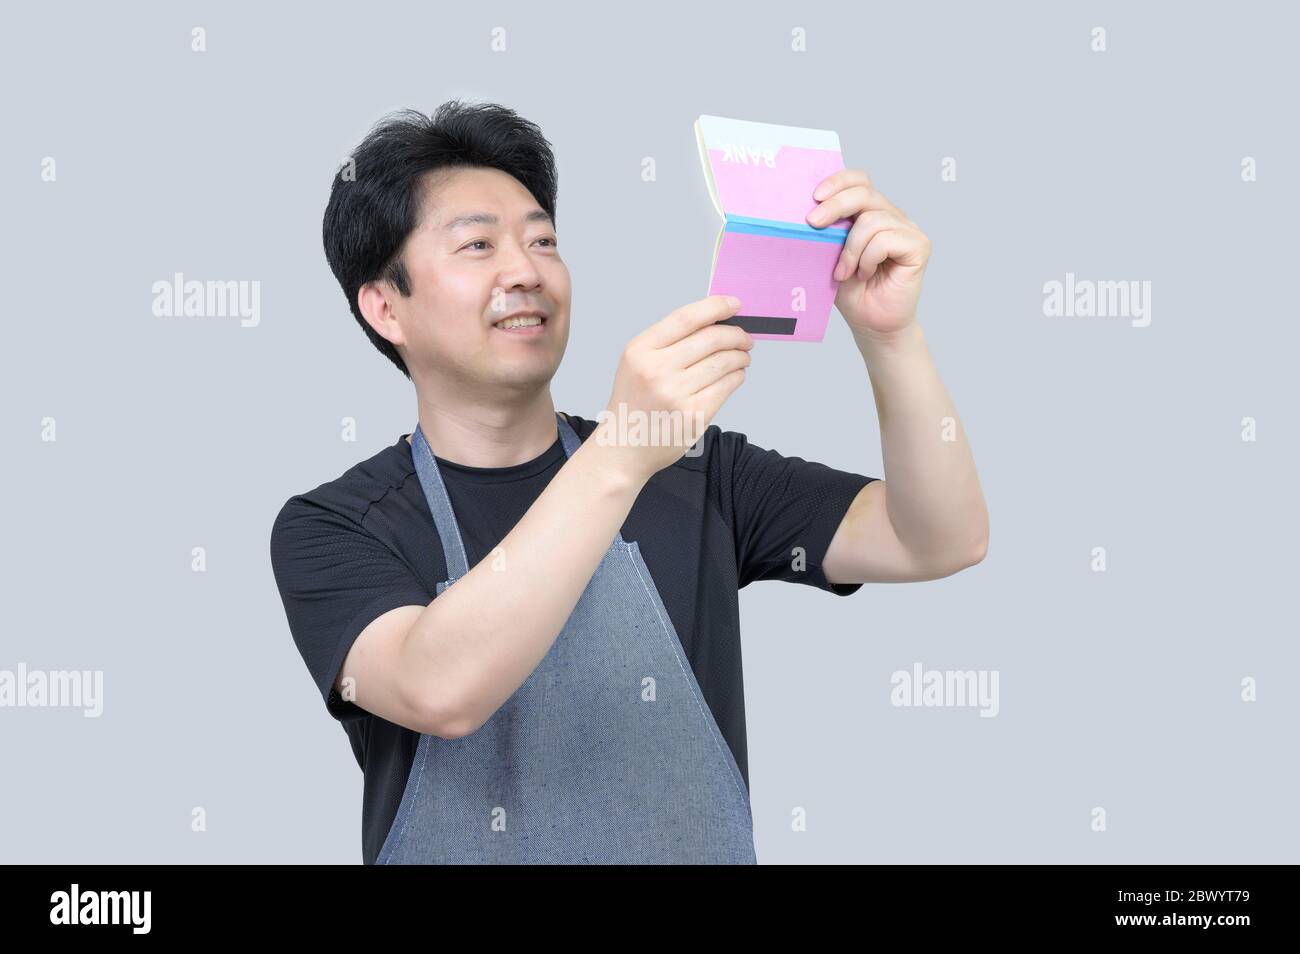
(606, 754)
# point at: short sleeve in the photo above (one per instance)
(335, 578)
(779, 504)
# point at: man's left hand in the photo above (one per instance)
(880, 267)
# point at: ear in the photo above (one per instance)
(373, 303)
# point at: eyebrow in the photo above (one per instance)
(487, 218)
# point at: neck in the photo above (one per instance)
(489, 437)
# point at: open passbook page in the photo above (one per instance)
(761, 178)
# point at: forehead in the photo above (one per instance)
(464, 198)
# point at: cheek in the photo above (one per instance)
(557, 280)
(452, 304)
(451, 332)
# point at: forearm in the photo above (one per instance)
(933, 497)
(475, 644)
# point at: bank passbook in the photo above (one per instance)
(761, 178)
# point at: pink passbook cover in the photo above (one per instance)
(761, 178)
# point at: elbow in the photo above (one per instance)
(959, 552)
(440, 716)
(976, 552)
(452, 730)
(444, 723)
(960, 558)
(433, 693)
(453, 719)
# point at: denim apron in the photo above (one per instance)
(606, 754)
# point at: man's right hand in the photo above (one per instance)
(674, 376)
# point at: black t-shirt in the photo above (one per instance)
(365, 543)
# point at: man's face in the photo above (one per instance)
(483, 250)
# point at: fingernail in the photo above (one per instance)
(733, 301)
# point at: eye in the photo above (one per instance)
(544, 238)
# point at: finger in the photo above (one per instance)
(905, 247)
(680, 322)
(863, 230)
(705, 342)
(840, 180)
(711, 398)
(706, 371)
(848, 203)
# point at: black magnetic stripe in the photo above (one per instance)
(762, 324)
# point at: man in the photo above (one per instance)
(527, 621)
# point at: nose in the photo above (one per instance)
(518, 270)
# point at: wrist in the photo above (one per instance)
(887, 343)
(613, 469)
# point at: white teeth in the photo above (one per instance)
(523, 322)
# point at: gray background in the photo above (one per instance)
(1119, 689)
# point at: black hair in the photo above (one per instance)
(374, 202)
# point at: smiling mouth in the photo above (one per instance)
(529, 324)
